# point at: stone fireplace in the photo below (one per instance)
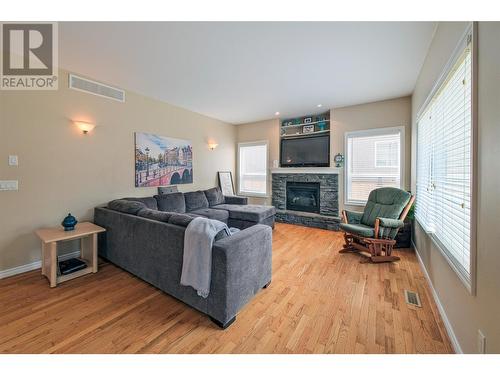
(306, 196)
(302, 196)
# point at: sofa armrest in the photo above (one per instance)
(353, 217)
(234, 199)
(241, 266)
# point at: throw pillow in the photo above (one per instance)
(173, 202)
(214, 196)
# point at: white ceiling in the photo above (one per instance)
(243, 72)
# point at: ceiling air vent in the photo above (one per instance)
(95, 88)
(412, 298)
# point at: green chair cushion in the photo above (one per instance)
(391, 223)
(385, 202)
(353, 217)
(358, 229)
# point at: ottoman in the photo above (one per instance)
(244, 216)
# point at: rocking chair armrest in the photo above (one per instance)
(391, 223)
(352, 217)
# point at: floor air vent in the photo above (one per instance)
(95, 88)
(412, 298)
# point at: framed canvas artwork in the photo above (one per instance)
(161, 161)
(226, 183)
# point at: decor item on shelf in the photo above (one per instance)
(212, 146)
(296, 121)
(161, 161)
(85, 127)
(308, 129)
(321, 125)
(287, 123)
(69, 222)
(308, 120)
(339, 160)
(226, 183)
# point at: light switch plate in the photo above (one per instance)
(9, 185)
(13, 160)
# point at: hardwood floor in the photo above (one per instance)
(318, 302)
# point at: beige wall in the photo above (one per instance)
(61, 170)
(383, 114)
(467, 313)
(262, 131)
(387, 113)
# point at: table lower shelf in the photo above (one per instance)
(72, 275)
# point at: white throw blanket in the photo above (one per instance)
(197, 259)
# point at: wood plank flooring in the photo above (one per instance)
(319, 301)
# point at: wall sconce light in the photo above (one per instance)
(85, 127)
(212, 146)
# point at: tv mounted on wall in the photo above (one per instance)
(308, 151)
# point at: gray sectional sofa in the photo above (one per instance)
(145, 236)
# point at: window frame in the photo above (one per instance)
(253, 143)
(469, 283)
(367, 133)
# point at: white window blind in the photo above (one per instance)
(387, 153)
(252, 162)
(444, 167)
(373, 160)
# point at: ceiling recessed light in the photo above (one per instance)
(319, 105)
(276, 113)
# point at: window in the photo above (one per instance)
(373, 160)
(252, 168)
(444, 163)
(387, 153)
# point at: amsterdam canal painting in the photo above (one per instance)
(161, 161)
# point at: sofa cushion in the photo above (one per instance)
(212, 213)
(173, 202)
(128, 207)
(249, 212)
(155, 215)
(181, 219)
(150, 202)
(359, 229)
(195, 200)
(385, 202)
(214, 196)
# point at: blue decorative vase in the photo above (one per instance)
(321, 125)
(69, 222)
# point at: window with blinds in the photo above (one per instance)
(444, 164)
(252, 168)
(373, 160)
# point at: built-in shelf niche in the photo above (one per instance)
(305, 125)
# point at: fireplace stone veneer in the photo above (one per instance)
(327, 218)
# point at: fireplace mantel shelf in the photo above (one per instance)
(312, 170)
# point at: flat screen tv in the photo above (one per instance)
(308, 151)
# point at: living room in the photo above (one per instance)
(254, 188)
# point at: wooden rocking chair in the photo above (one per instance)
(372, 232)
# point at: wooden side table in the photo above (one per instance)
(50, 237)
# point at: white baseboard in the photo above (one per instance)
(33, 266)
(447, 324)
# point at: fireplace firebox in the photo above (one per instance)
(303, 196)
